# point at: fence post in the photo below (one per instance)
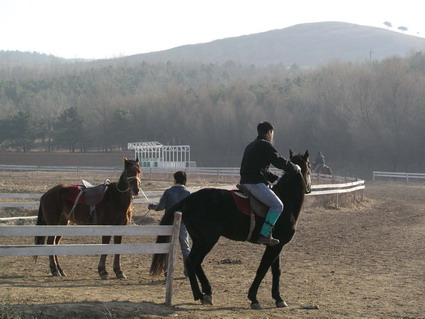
(172, 258)
(337, 201)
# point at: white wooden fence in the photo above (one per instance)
(316, 190)
(337, 189)
(98, 249)
(405, 176)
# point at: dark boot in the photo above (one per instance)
(269, 240)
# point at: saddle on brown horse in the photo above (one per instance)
(87, 194)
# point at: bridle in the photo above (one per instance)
(307, 190)
(128, 180)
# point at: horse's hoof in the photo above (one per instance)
(207, 300)
(121, 275)
(104, 276)
(56, 274)
(281, 304)
(256, 306)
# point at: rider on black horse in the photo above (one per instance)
(256, 177)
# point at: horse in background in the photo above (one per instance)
(108, 204)
(209, 214)
(324, 170)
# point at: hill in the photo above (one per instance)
(306, 45)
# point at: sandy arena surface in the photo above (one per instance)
(360, 261)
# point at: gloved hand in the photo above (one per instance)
(296, 168)
(151, 206)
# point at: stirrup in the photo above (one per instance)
(270, 241)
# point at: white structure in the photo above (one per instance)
(154, 154)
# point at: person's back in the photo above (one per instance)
(172, 196)
(319, 162)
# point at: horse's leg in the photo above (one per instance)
(62, 273)
(53, 259)
(269, 257)
(194, 268)
(117, 261)
(280, 303)
(101, 268)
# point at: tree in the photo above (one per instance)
(403, 29)
(388, 24)
(17, 131)
(68, 129)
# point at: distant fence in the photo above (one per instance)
(316, 190)
(337, 185)
(98, 249)
(405, 176)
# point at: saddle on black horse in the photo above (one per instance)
(248, 204)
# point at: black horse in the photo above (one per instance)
(211, 213)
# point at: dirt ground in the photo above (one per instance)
(359, 261)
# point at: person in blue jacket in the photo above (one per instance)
(170, 197)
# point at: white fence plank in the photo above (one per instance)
(403, 175)
(89, 249)
(98, 230)
(338, 191)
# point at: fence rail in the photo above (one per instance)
(342, 186)
(405, 176)
(97, 249)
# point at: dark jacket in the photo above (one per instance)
(256, 161)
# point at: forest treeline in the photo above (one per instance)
(361, 116)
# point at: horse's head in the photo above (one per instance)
(132, 173)
(302, 160)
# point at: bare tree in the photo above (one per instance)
(388, 24)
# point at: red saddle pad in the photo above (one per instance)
(73, 192)
(241, 202)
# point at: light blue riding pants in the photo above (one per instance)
(264, 194)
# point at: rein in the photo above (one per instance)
(305, 185)
(129, 179)
(276, 190)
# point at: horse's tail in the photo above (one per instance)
(158, 260)
(40, 240)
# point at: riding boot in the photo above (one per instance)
(265, 236)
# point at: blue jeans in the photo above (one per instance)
(184, 241)
(265, 195)
(184, 246)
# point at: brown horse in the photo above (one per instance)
(325, 170)
(112, 207)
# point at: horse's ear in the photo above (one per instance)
(137, 159)
(306, 154)
(291, 154)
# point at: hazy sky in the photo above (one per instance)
(109, 28)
